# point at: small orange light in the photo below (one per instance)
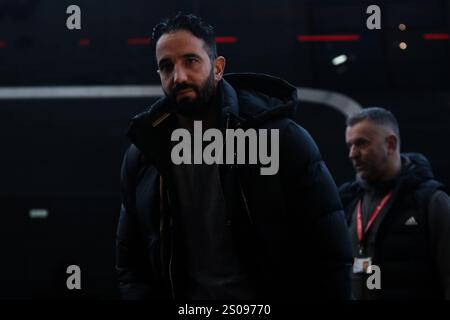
(403, 45)
(402, 27)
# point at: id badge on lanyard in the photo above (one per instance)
(362, 264)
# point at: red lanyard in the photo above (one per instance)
(375, 213)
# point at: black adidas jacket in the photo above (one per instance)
(410, 240)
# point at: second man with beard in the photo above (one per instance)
(398, 214)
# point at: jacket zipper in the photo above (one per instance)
(171, 251)
(162, 227)
(241, 189)
(245, 201)
(170, 260)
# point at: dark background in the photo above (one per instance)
(64, 155)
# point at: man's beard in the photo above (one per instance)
(374, 172)
(190, 107)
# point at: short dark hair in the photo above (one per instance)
(189, 22)
(376, 115)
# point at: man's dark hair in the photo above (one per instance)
(376, 115)
(191, 23)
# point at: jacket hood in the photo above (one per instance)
(259, 97)
(416, 165)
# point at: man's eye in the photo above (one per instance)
(361, 143)
(192, 60)
(165, 67)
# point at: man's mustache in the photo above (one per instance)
(183, 86)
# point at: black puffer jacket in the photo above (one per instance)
(404, 251)
(290, 225)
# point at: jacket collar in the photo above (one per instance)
(245, 100)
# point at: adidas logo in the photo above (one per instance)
(411, 222)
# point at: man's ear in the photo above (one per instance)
(392, 142)
(219, 67)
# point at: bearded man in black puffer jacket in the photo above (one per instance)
(221, 230)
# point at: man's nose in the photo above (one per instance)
(353, 152)
(179, 75)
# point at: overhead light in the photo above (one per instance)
(402, 26)
(402, 45)
(38, 213)
(339, 60)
